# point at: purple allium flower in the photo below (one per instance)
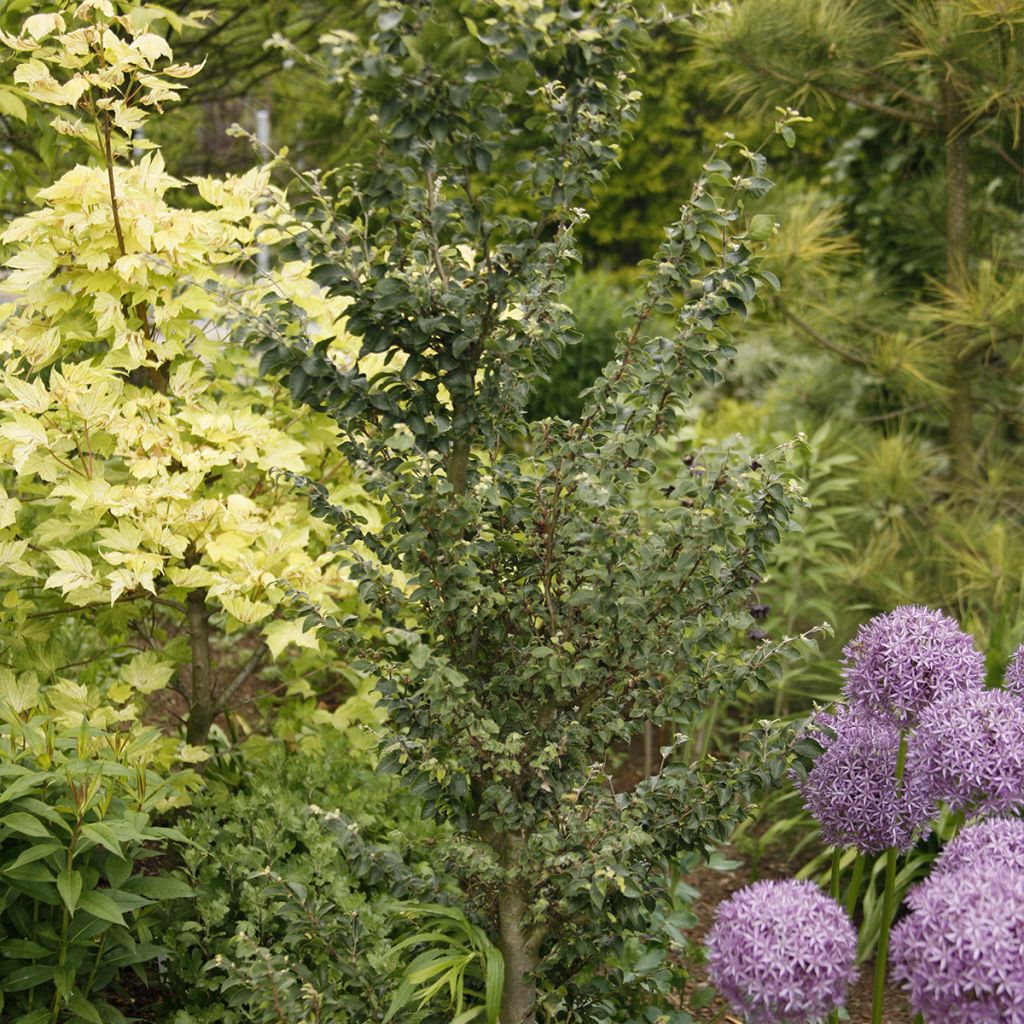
(899, 662)
(968, 750)
(1014, 678)
(960, 952)
(997, 844)
(782, 952)
(852, 790)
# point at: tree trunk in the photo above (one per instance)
(202, 710)
(961, 411)
(518, 943)
(519, 996)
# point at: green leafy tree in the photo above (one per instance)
(535, 615)
(143, 532)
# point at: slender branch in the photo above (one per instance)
(816, 335)
(244, 674)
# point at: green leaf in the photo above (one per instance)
(33, 1017)
(28, 977)
(102, 835)
(26, 825)
(86, 1010)
(70, 888)
(35, 852)
(101, 906)
(23, 949)
(159, 887)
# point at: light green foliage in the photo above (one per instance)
(80, 790)
(459, 958)
(900, 347)
(297, 857)
(535, 613)
(142, 447)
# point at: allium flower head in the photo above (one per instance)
(996, 844)
(1014, 678)
(898, 663)
(968, 750)
(782, 952)
(960, 952)
(852, 789)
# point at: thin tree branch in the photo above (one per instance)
(816, 335)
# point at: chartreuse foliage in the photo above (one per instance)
(140, 445)
(535, 614)
(79, 791)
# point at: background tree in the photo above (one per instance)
(948, 74)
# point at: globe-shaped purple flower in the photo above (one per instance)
(960, 952)
(782, 952)
(996, 844)
(898, 663)
(852, 789)
(968, 750)
(1014, 678)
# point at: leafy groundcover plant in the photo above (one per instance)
(534, 615)
(79, 789)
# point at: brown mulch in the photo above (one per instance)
(716, 886)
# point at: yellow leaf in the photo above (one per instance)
(39, 26)
(152, 47)
(147, 672)
(11, 105)
(18, 693)
(75, 571)
(9, 508)
(11, 558)
(244, 610)
(282, 632)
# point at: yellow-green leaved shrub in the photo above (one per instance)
(141, 502)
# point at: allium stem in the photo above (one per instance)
(853, 889)
(837, 871)
(882, 952)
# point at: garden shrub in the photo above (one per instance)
(298, 856)
(536, 614)
(82, 788)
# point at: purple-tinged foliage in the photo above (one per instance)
(782, 952)
(960, 952)
(852, 789)
(996, 844)
(900, 662)
(1014, 678)
(968, 750)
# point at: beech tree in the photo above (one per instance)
(138, 441)
(535, 614)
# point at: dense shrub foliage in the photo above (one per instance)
(298, 857)
(82, 786)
